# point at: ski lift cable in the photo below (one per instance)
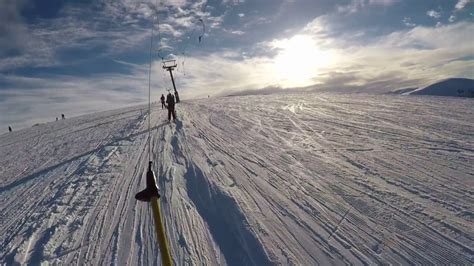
(149, 93)
(158, 51)
(150, 193)
(191, 38)
(159, 33)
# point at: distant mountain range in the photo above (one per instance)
(456, 87)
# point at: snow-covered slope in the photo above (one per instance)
(280, 179)
(404, 91)
(459, 87)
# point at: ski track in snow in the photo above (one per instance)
(253, 180)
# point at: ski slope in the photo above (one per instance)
(255, 180)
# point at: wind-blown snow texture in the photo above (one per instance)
(290, 179)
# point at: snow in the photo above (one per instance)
(458, 87)
(281, 179)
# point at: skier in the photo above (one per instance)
(10, 128)
(56, 119)
(63, 117)
(162, 101)
(170, 102)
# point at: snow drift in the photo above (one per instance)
(259, 180)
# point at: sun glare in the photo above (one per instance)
(299, 61)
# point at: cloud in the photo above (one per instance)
(42, 43)
(383, 2)
(356, 5)
(101, 29)
(407, 21)
(222, 72)
(235, 32)
(170, 30)
(38, 100)
(461, 4)
(422, 53)
(12, 29)
(17, 47)
(414, 57)
(433, 14)
(326, 53)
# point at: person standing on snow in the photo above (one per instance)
(162, 101)
(10, 128)
(170, 102)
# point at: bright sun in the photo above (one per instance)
(299, 61)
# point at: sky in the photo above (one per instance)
(83, 56)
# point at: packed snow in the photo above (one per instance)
(255, 180)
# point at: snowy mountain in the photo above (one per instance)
(459, 87)
(280, 179)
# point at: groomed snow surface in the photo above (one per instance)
(285, 179)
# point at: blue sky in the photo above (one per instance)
(77, 57)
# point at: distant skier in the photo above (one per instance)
(171, 102)
(9, 128)
(63, 117)
(56, 119)
(162, 101)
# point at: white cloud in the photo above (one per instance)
(433, 14)
(461, 4)
(235, 32)
(383, 2)
(356, 5)
(413, 57)
(176, 3)
(46, 98)
(119, 27)
(168, 29)
(407, 21)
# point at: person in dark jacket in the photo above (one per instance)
(10, 128)
(171, 102)
(162, 101)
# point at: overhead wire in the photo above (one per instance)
(151, 193)
(155, 16)
(190, 38)
(149, 92)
